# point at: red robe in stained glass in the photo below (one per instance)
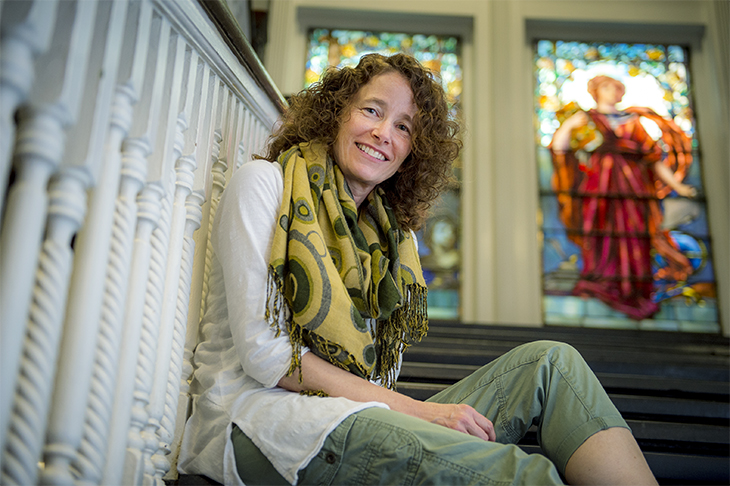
(611, 209)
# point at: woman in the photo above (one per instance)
(317, 287)
(610, 206)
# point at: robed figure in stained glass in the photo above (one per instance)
(609, 177)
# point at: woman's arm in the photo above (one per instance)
(318, 374)
(667, 176)
(561, 139)
(242, 237)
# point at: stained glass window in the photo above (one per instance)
(439, 238)
(620, 246)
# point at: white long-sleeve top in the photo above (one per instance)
(239, 360)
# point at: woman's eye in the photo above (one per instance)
(370, 110)
(404, 128)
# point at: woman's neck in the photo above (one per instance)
(607, 108)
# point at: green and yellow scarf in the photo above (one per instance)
(334, 268)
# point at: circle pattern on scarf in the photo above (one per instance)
(339, 227)
(357, 319)
(368, 355)
(316, 177)
(301, 286)
(336, 255)
(309, 302)
(302, 211)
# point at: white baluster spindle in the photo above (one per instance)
(184, 169)
(29, 417)
(25, 33)
(244, 148)
(145, 417)
(84, 157)
(196, 147)
(201, 186)
(53, 107)
(129, 405)
(92, 451)
(219, 182)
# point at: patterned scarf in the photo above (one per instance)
(336, 268)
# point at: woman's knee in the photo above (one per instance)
(556, 352)
(556, 359)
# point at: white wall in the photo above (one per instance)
(501, 270)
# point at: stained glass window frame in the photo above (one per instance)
(591, 312)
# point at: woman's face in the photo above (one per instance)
(608, 92)
(375, 136)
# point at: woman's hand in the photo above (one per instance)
(561, 139)
(579, 119)
(318, 374)
(686, 190)
(666, 175)
(462, 418)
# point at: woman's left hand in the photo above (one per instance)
(667, 176)
(462, 418)
(686, 190)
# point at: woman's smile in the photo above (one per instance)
(371, 151)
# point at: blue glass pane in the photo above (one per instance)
(545, 168)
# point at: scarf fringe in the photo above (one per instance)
(276, 308)
(274, 301)
(406, 324)
(314, 393)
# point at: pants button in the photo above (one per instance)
(330, 458)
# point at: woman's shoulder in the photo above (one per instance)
(257, 176)
(257, 170)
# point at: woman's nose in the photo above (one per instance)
(381, 132)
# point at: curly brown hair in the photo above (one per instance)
(316, 114)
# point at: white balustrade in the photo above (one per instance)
(131, 115)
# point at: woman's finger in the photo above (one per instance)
(487, 426)
(478, 425)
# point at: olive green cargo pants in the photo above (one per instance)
(544, 383)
